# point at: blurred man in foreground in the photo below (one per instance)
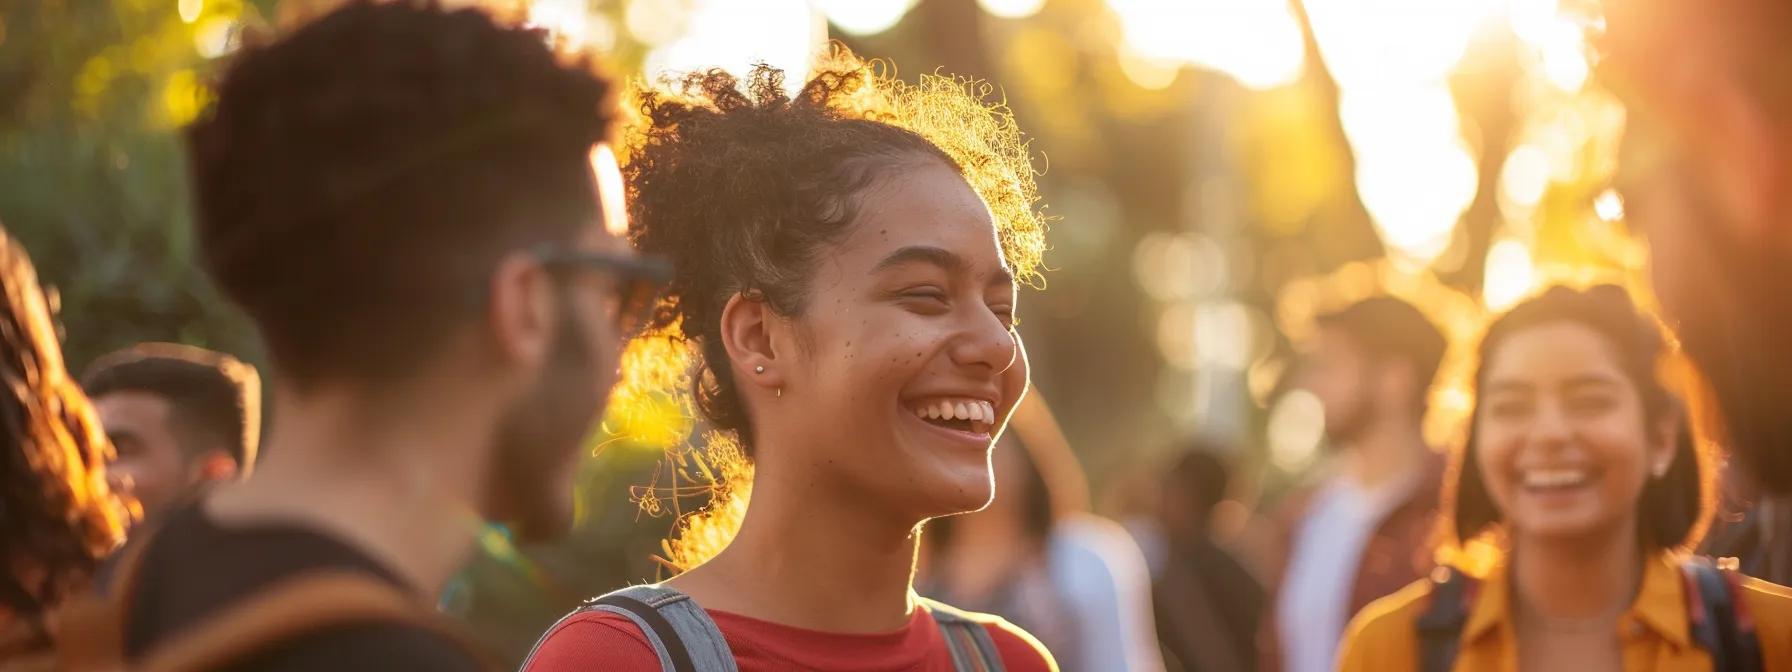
(1706, 174)
(1359, 533)
(179, 416)
(416, 207)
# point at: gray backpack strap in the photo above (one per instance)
(680, 632)
(967, 638)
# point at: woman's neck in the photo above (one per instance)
(810, 556)
(986, 550)
(1577, 579)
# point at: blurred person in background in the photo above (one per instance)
(180, 417)
(1361, 531)
(1037, 557)
(58, 516)
(848, 288)
(1581, 471)
(1209, 606)
(417, 208)
(1132, 497)
(1706, 175)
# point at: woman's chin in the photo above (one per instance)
(952, 496)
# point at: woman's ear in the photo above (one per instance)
(747, 336)
(1661, 447)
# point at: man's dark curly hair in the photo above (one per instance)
(358, 179)
(58, 516)
(741, 185)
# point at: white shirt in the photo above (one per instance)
(1103, 577)
(1314, 604)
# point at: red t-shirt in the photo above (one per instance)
(599, 640)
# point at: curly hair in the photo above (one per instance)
(58, 516)
(742, 185)
(357, 180)
(1674, 508)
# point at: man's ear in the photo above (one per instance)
(520, 316)
(213, 465)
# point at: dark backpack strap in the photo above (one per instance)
(967, 639)
(1440, 627)
(1719, 619)
(681, 633)
(293, 608)
(676, 658)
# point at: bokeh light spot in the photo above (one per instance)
(864, 17)
(1296, 426)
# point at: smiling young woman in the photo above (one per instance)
(848, 285)
(1579, 459)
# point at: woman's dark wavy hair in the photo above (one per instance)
(1674, 508)
(57, 514)
(742, 185)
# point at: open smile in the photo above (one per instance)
(962, 420)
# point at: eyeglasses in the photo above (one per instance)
(639, 281)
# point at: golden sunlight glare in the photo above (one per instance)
(1609, 205)
(785, 34)
(1257, 42)
(1510, 275)
(610, 189)
(566, 19)
(1414, 172)
(865, 17)
(1012, 9)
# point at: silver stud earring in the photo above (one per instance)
(758, 369)
(1661, 470)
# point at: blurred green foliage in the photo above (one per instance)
(91, 179)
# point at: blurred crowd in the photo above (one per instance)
(449, 235)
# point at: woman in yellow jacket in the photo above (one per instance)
(1579, 468)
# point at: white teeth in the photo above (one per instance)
(1553, 478)
(981, 414)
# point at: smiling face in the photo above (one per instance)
(1562, 439)
(908, 365)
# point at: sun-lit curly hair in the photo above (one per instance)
(741, 184)
(58, 516)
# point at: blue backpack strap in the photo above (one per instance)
(1440, 627)
(680, 632)
(1718, 619)
(967, 639)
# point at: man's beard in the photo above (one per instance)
(535, 437)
